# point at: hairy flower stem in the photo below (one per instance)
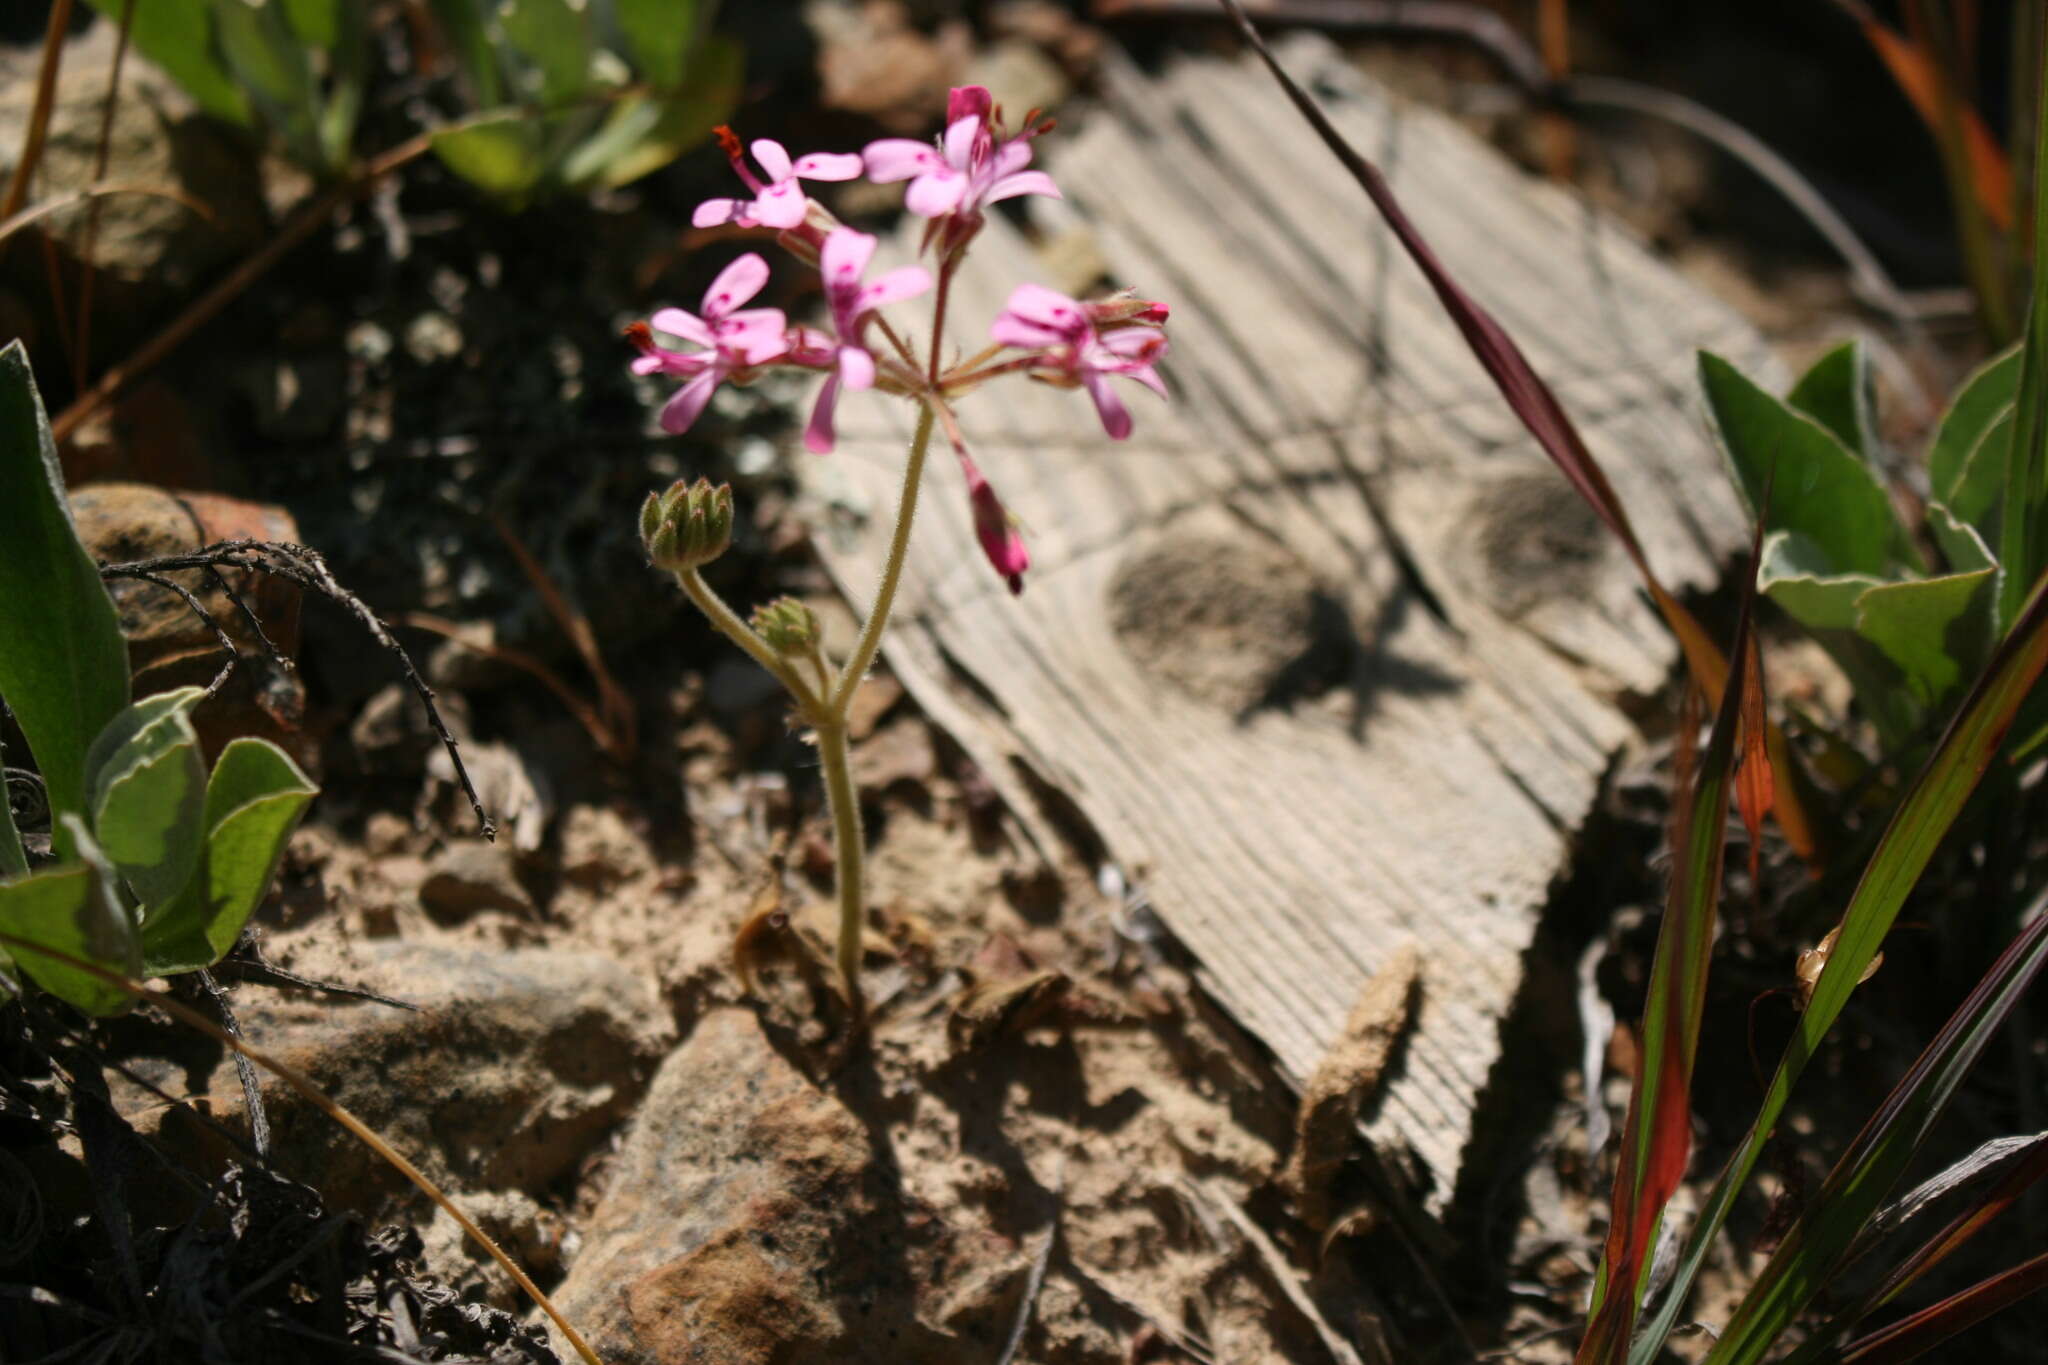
(740, 633)
(848, 856)
(892, 570)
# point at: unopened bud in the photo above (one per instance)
(1124, 306)
(687, 525)
(787, 625)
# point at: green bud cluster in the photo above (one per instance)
(688, 525)
(787, 625)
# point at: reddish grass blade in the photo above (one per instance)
(1540, 412)
(1911, 1338)
(1754, 786)
(1926, 812)
(1657, 1136)
(1920, 80)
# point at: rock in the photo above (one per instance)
(470, 876)
(169, 646)
(873, 62)
(749, 1218)
(514, 1067)
(148, 249)
(391, 733)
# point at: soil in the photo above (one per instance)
(1050, 1148)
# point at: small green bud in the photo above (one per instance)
(687, 525)
(787, 625)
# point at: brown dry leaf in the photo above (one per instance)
(1815, 959)
(1348, 1075)
(989, 1009)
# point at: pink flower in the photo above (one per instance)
(841, 262)
(993, 526)
(1076, 352)
(732, 339)
(781, 203)
(968, 170)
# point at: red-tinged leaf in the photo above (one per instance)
(1540, 412)
(1924, 816)
(2027, 1170)
(1920, 80)
(1753, 781)
(1912, 1337)
(1657, 1135)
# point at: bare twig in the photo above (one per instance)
(39, 116)
(15, 222)
(92, 214)
(245, 1070)
(199, 610)
(306, 567)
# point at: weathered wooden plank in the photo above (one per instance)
(1337, 497)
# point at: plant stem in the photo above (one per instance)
(892, 571)
(848, 853)
(740, 633)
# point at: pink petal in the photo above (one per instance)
(755, 336)
(1024, 182)
(687, 406)
(772, 158)
(898, 158)
(961, 136)
(818, 432)
(935, 193)
(676, 363)
(1049, 308)
(1011, 330)
(845, 256)
(677, 323)
(735, 284)
(1139, 342)
(1010, 158)
(1149, 377)
(856, 367)
(828, 166)
(1116, 418)
(781, 205)
(714, 212)
(968, 101)
(905, 281)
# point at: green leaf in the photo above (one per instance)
(1820, 488)
(462, 25)
(1923, 818)
(501, 154)
(319, 22)
(262, 54)
(658, 35)
(63, 663)
(71, 910)
(1932, 628)
(642, 134)
(254, 801)
(1836, 393)
(555, 36)
(178, 36)
(1979, 488)
(148, 792)
(1985, 397)
(1792, 575)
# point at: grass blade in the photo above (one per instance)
(1873, 1162)
(1546, 420)
(1912, 1337)
(1657, 1137)
(1924, 815)
(2022, 538)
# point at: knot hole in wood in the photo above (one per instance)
(1235, 621)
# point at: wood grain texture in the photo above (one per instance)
(1326, 654)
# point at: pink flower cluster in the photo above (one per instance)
(1040, 333)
